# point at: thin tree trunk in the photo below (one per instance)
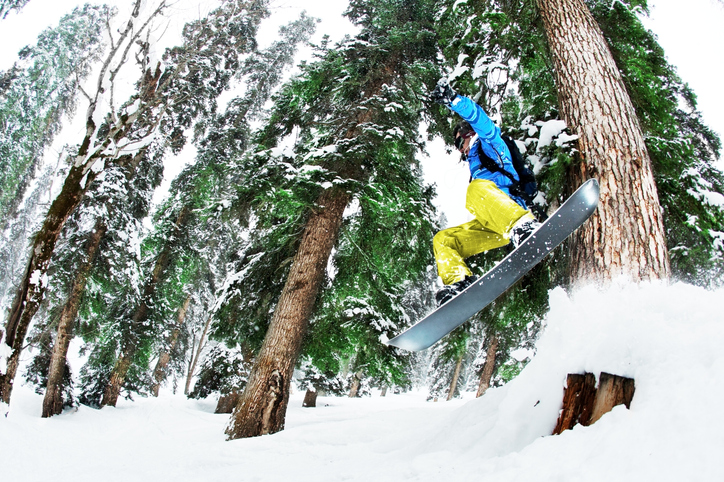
(53, 400)
(456, 376)
(128, 351)
(189, 373)
(263, 405)
(487, 375)
(626, 235)
(159, 373)
(195, 359)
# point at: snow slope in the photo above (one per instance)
(668, 338)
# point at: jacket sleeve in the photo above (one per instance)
(491, 143)
(476, 116)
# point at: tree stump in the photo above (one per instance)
(227, 402)
(584, 403)
(310, 399)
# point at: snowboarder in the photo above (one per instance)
(500, 217)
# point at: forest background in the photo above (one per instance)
(202, 295)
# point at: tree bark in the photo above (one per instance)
(585, 404)
(227, 402)
(487, 375)
(456, 376)
(612, 390)
(53, 400)
(262, 407)
(578, 399)
(159, 373)
(625, 236)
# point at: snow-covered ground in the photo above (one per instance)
(668, 338)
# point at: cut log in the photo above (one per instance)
(612, 390)
(584, 403)
(578, 401)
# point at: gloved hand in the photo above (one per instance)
(442, 93)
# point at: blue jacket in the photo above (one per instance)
(490, 142)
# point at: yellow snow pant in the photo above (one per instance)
(495, 215)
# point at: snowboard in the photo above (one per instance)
(572, 214)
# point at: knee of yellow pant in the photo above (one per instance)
(440, 239)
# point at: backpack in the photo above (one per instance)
(527, 187)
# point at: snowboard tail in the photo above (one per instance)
(572, 214)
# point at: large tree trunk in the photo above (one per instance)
(488, 367)
(53, 400)
(626, 235)
(159, 373)
(128, 350)
(456, 376)
(263, 405)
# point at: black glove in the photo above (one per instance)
(443, 93)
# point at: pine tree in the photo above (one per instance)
(7, 6)
(110, 218)
(103, 140)
(36, 94)
(357, 111)
(39, 91)
(191, 237)
(166, 102)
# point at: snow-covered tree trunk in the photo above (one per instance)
(159, 373)
(195, 356)
(53, 400)
(356, 384)
(626, 234)
(263, 405)
(488, 367)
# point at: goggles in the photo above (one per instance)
(460, 140)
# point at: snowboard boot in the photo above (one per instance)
(522, 231)
(448, 292)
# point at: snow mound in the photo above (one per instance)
(668, 338)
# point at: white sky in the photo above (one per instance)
(691, 35)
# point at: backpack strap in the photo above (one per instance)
(488, 163)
